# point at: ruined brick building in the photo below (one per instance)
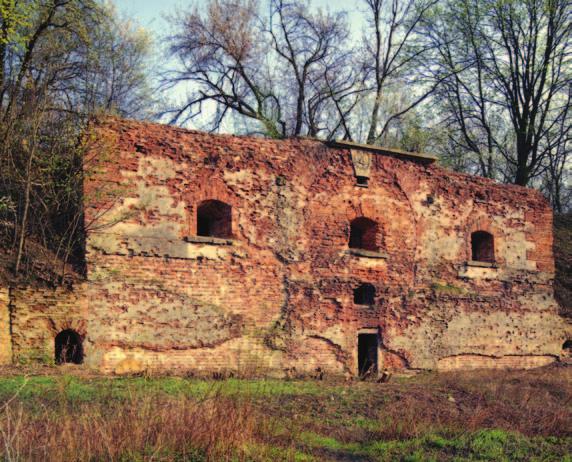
(223, 253)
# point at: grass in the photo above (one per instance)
(477, 416)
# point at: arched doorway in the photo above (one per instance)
(69, 347)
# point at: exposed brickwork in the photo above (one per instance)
(39, 314)
(277, 295)
(5, 340)
(281, 296)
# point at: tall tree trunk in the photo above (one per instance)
(374, 118)
(24, 223)
(300, 110)
(522, 153)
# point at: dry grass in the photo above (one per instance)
(143, 427)
(533, 403)
(436, 416)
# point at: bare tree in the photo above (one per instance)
(114, 68)
(221, 57)
(282, 70)
(506, 70)
(390, 50)
(311, 46)
(555, 180)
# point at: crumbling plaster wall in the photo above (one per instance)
(279, 295)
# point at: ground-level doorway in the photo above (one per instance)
(368, 355)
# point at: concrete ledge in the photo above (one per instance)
(482, 264)
(367, 253)
(421, 157)
(208, 240)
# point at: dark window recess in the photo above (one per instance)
(69, 348)
(482, 247)
(364, 294)
(214, 219)
(367, 354)
(567, 346)
(363, 234)
(362, 180)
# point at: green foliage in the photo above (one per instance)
(15, 21)
(486, 445)
(6, 204)
(60, 63)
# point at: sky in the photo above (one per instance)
(151, 13)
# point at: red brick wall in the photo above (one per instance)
(281, 296)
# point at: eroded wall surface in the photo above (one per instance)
(278, 295)
(5, 338)
(39, 314)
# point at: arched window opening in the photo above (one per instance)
(482, 247)
(363, 234)
(69, 348)
(214, 219)
(364, 294)
(567, 347)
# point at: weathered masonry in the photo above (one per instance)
(223, 253)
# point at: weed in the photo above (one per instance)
(472, 416)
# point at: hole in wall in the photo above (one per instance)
(363, 234)
(214, 219)
(364, 294)
(482, 247)
(367, 355)
(69, 348)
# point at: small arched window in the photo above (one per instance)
(567, 347)
(214, 219)
(69, 348)
(482, 247)
(364, 294)
(363, 234)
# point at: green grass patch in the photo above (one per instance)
(486, 445)
(271, 420)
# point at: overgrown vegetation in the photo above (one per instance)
(61, 62)
(477, 416)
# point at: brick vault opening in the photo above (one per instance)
(214, 219)
(69, 348)
(482, 247)
(364, 294)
